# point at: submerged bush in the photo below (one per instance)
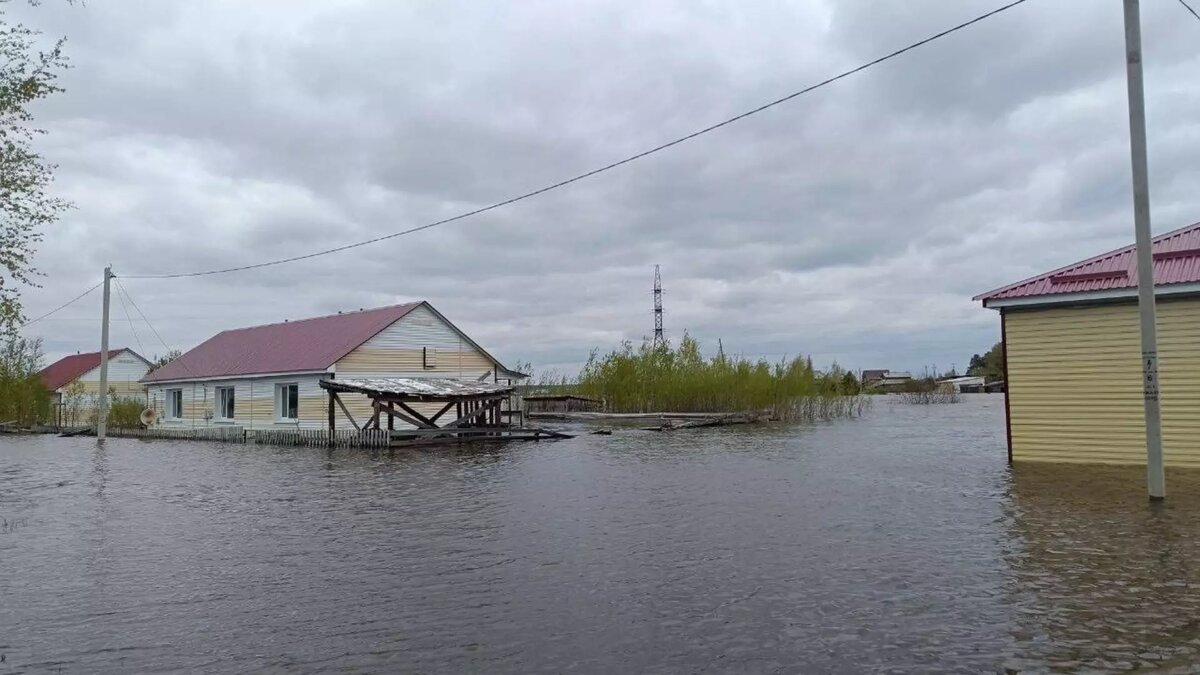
(930, 397)
(657, 378)
(125, 413)
(927, 391)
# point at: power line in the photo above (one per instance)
(65, 304)
(125, 309)
(607, 167)
(121, 288)
(1189, 8)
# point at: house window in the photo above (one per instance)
(430, 357)
(174, 404)
(225, 404)
(287, 401)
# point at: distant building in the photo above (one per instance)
(870, 377)
(964, 385)
(268, 377)
(74, 382)
(886, 380)
(1073, 370)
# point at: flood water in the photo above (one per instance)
(898, 542)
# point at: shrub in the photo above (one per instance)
(125, 413)
(23, 398)
(657, 378)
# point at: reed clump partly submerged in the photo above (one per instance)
(660, 378)
(929, 391)
(930, 397)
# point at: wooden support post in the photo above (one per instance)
(425, 423)
(466, 420)
(332, 419)
(374, 421)
(343, 407)
(391, 416)
(433, 420)
(418, 423)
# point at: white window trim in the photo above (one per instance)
(279, 403)
(167, 407)
(219, 415)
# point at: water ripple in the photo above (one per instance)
(896, 543)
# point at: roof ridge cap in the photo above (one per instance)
(1085, 261)
(288, 322)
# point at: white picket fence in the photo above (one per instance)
(222, 434)
(320, 438)
(345, 438)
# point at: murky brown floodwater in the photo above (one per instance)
(900, 542)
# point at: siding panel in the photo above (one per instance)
(397, 351)
(254, 405)
(1075, 383)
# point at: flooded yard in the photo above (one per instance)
(898, 542)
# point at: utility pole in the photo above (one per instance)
(102, 408)
(1155, 479)
(658, 312)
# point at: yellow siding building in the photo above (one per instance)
(1073, 357)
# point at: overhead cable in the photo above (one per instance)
(129, 318)
(121, 289)
(607, 167)
(1189, 8)
(65, 304)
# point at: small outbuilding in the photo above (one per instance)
(1072, 353)
(559, 403)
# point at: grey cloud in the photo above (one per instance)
(853, 223)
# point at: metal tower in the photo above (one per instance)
(658, 329)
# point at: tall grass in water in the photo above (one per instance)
(658, 378)
(930, 397)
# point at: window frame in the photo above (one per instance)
(281, 402)
(170, 403)
(219, 412)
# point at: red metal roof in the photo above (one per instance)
(1176, 261)
(307, 345)
(65, 370)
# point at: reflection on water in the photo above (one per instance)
(900, 542)
(1104, 579)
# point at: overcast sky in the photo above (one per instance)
(853, 223)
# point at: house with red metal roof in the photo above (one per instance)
(74, 382)
(1072, 355)
(268, 377)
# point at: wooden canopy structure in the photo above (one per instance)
(478, 409)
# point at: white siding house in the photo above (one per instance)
(267, 377)
(74, 382)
